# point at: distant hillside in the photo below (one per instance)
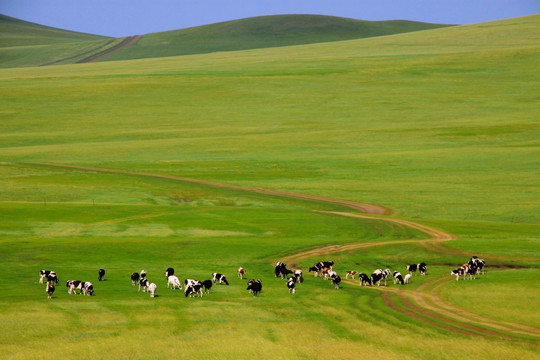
(15, 32)
(28, 44)
(24, 43)
(262, 32)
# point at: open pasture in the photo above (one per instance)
(439, 126)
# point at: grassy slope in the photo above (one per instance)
(430, 124)
(262, 32)
(27, 44)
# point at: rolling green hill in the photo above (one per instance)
(262, 32)
(27, 44)
(24, 43)
(158, 162)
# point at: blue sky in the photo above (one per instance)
(136, 17)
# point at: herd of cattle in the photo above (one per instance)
(324, 269)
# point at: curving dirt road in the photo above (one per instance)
(423, 304)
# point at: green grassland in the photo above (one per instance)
(262, 32)
(440, 126)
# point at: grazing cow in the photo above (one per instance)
(49, 289)
(169, 272)
(207, 285)
(101, 274)
(254, 286)
(412, 268)
(298, 276)
(174, 281)
(219, 277)
(335, 280)
(291, 284)
(317, 268)
(135, 278)
(379, 275)
(241, 272)
(398, 278)
(49, 275)
(406, 278)
(352, 273)
(152, 289)
(194, 289)
(480, 263)
(457, 273)
(364, 279)
(74, 285)
(143, 284)
(189, 282)
(87, 288)
(422, 268)
(281, 270)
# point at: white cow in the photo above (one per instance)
(174, 281)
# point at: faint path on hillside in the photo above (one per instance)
(128, 41)
(425, 303)
(362, 207)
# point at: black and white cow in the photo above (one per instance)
(412, 268)
(152, 289)
(422, 268)
(143, 274)
(169, 272)
(101, 274)
(291, 284)
(298, 276)
(364, 279)
(74, 285)
(207, 285)
(48, 275)
(193, 288)
(336, 279)
(219, 277)
(317, 268)
(281, 270)
(174, 281)
(459, 272)
(87, 288)
(143, 284)
(255, 286)
(480, 263)
(398, 278)
(379, 275)
(135, 278)
(49, 289)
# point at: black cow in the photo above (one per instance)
(49, 289)
(135, 278)
(101, 274)
(207, 285)
(254, 286)
(316, 269)
(281, 270)
(422, 267)
(336, 279)
(379, 275)
(364, 279)
(219, 277)
(412, 268)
